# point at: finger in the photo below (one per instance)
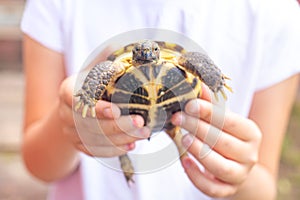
(223, 169)
(242, 128)
(66, 90)
(105, 151)
(125, 124)
(205, 93)
(91, 139)
(222, 142)
(208, 185)
(92, 144)
(221, 118)
(227, 145)
(122, 139)
(105, 109)
(206, 111)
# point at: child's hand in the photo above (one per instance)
(107, 135)
(227, 150)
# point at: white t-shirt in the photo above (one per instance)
(255, 42)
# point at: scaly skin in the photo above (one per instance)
(95, 84)
(202, 66)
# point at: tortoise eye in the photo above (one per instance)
(155, 49)
(137, 49)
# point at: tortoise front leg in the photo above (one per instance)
(95, 84)
(176, 135)
(203, 67)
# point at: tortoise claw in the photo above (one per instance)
(93, 111)
(78, 105)
(228, 88)
(223, 94)
(216, 96)
(226, 77)
(85, 109)
(222, 90)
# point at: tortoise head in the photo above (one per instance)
(145, 51)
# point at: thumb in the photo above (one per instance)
(66, 90)
(108, 110)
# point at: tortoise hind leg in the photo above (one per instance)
(176, 135)
(127, 168)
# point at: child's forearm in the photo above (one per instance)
(47, 153)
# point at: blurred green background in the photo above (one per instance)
(17, 184)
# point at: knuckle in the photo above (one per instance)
(225, 171)
(63, 93)
(205, 109)
(115, 128)
(252, 158)
(226, 144)
(192, 124)
(231, 123)
(256, 133)
(231, 191)
(216, 192)
(122, 124)
(213, 192)
(207, 114)
(121, 139)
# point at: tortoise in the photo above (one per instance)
(154, 79)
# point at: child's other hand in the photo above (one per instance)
(228, 151)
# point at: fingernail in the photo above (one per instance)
(187, 141)
(178, 119)
(137, 121)
(187, 163)
(193, 106)
(130, 146)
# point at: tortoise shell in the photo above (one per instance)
(151, 79)
(155, 91)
